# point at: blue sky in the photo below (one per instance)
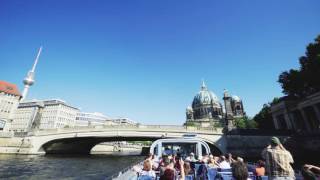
(145, 59)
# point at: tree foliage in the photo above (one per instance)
(245, 123)
(264, 117)
(304, 81)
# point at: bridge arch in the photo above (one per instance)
(83, 142)
(83, 145)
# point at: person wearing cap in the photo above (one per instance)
(191, 158)
(278, 161)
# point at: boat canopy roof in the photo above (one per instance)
(199, 146)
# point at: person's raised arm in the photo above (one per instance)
(313, 168)
(182, 174)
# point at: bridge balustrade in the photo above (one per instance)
(164, 128)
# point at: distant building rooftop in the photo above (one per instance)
(9, 88)
(45, 103)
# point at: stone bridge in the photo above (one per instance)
(81, 141)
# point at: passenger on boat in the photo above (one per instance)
(229, 158)
(260, 170)
(212, 163)
(177, 163)
(187, 168)
(166, 164)
(147, 169)
(240, 171)
(170, 174)
(312, 168)
(278, 161)
(151, 157)
(191, 158)
(307, 174)
(205, 158)
(239, 159)
(202, 170)
(223, 164)
(310, 171)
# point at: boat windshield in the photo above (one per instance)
(180, 147)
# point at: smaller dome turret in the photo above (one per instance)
(236, 98)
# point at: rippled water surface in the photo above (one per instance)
(63, 167)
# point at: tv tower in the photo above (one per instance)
(29, 80)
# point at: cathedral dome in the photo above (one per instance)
(205, 97)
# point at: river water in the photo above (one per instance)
(63, 167)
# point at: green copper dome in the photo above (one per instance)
(204, 97)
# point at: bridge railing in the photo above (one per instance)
(169, 128)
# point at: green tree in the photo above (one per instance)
(240, 123)
(264, 117)
(304, 81)
(251, 124)
(245, 123)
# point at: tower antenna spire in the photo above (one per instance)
(36, 61)
(29, 80)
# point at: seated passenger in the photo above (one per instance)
(166, 164)
(229, 158)
(239, 171)
(205, 159)
(147, 169)
(223, 164)
(177, 163)
(239, 159)
(170, 174)
(202, 170)
(187, 168)
(191, 158)
(260, 170)
(212, 163)
(151, 157)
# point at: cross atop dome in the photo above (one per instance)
(203, 85)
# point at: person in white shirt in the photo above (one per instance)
(223, 163)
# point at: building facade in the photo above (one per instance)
(297, 115)
(9, 100)
(43, 114)
(123, 121)
(207, 110)
(84, 119)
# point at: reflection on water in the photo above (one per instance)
(63, 167)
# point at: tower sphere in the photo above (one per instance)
(28, 81)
